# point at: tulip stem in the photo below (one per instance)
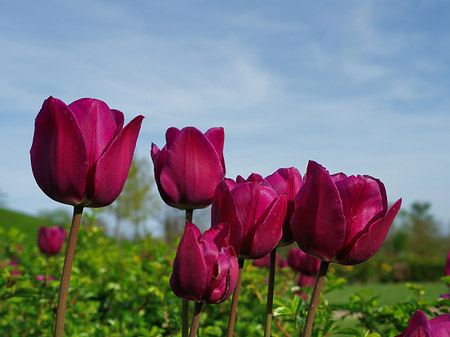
(315, 299)
(67, 268)
(270, 288)
(234, 301)
(185, 306)
(196, 319)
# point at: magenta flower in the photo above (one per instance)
(189, 167)
(205, 268)
(41, 278)
(81, 155)
(255, 213)
(420, 326)
(339, 218)
(51, 239)
(282, 263)
(289, 181)
(302, 262)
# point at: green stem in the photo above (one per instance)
(234, 301)
(270, 288)
(315, 298)
(196, 319)
(65, 277)
(185, 304)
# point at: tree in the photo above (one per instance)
(137, 202)
(423, 239)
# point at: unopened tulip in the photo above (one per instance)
(189, 167)
(81, 153)
(420, 326)
(302, 262)
(255, 213)
(51, 239)
(205, 268)
(341, 219)
(286, 180)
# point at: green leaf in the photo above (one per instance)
(280, 311)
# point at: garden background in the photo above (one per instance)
(120, 284)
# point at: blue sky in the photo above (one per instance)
(361, 87)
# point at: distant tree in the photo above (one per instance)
(174, 221)
(424, 237)
(137, 202)
(59, 216)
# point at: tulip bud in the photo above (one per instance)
(419, 326)
(189, 167)
(255, 213)
(339, 218)
(51, 239)
(81, 154)
(205, 268)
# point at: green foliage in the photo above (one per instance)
(24, 224)
(124, 291)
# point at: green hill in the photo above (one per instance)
(26, 224)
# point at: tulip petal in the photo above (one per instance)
(318, 222)
(210, 254)
(418, 322)
(289, 181)
(369, 241)
(171, 134)
(217, 137)
(182, 178)
(97, 123)
(218, 285)
(58, 153)
(118, 116)
(253, 202)
(361, 202)
(286, 180)
(223, 210)
(220, 234)
(113, 166)
(188, 279)
(268, 234)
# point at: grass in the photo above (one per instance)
(23, 223)
(388, 293)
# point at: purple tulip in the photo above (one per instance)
(289, 181)
(420, 326)
(306, 281)
(255, 213)
(189, 167)
(282, 263)
(81, 155)
(447, 265)
(205, 268)
(339, 218)
(51, 239)
(302, 262)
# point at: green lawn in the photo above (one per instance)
(25, 224)
(389, 292)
